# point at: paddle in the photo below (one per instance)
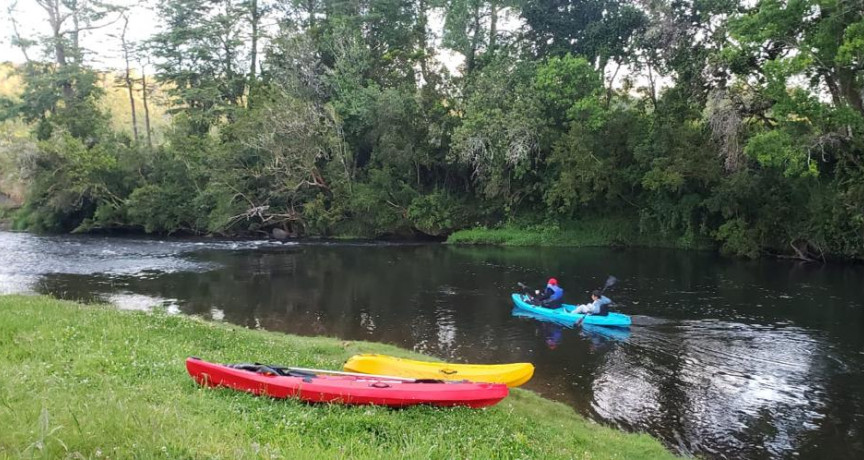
(609, 283)
(313, 372)
(526, 291)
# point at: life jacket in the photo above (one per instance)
(557, 292)
(604, 306)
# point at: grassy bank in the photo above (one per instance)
(92, 381)
(603, 232)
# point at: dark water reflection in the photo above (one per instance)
(726, 358)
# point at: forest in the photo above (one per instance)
(728, 124)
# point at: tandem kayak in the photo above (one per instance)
(563, 316)
(344, 389)
(511, 375)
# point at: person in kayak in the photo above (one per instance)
(552, 296)
(599, 305)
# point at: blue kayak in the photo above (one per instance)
(561, 315)
(613, 333)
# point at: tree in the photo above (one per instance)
(819, 39)
(200, 53)
(502, 129)
(64, 94)
(471, 28)
(600, 31)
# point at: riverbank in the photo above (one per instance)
(601, 232)
(93, 381)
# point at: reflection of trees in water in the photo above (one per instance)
(337, 291)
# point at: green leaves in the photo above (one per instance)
(64, 98)
(200, 56)
(563, 82)
(776, 149)
(851, 51)
(502, 127)
(738, 238)
(598, 30)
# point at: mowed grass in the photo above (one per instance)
(83, 381)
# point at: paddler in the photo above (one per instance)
(599, 305)
(552, 296)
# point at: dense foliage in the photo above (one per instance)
(736, 123)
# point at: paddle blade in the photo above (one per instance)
(579, 323)
(611, 281)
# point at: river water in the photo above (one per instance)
(725, 359)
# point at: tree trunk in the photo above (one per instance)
(422, 22)
(55, 19)
(146, 109)
(493, 25)
(833, 88)
(18, 37)
(475, 41)
(129, 77)
(76, 47)
(611, 83)
(255, 15)
(52, 7)
(310, 9)
(850, 89)
(653, 86)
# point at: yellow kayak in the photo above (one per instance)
(511, 374)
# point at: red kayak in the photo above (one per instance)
(344, 389)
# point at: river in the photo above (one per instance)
(725, 358)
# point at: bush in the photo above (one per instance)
(738, 238)
(438, 213)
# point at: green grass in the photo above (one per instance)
(93, 382)
(600, 232)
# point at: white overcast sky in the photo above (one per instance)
(103, 43)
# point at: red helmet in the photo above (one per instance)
(553, 282)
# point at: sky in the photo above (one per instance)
(104, 43)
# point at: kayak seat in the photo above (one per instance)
(259, 368)
(270, 370)
(604, 310)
